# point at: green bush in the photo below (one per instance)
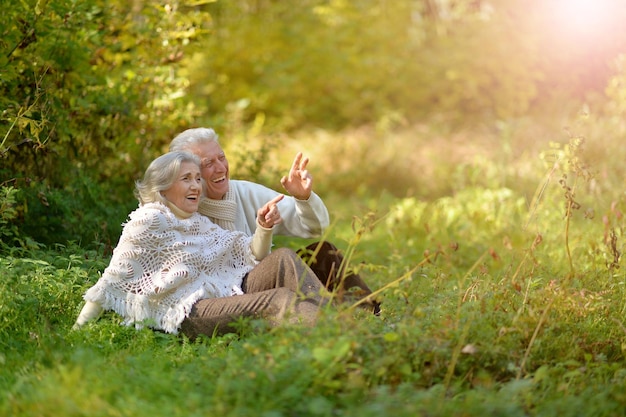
(82, 212)
(86, 95)
(8, 213)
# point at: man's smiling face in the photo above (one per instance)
(213, 167)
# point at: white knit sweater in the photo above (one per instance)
(300, 218)
(163, 264)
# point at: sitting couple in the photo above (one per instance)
(196, 254)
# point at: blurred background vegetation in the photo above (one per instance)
(91, 91)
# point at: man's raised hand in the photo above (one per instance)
(298, 182)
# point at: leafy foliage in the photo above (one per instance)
(87, 92)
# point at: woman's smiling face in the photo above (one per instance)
(185, 192)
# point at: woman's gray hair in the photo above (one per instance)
(187, 138)
(160, 176)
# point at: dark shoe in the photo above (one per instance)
(326, 261)
(355, 294)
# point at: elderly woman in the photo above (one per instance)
(233, 203)
(174, 270)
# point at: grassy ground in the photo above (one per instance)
(497, 257)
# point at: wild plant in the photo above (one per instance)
(566, 160)
(8, 212)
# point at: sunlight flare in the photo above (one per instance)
(584, 18)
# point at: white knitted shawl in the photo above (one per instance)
(162, 265)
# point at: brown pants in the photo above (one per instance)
(281, 287)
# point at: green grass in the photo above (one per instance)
(497, 301)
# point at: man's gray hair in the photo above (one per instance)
(160, 176)
(187, 138)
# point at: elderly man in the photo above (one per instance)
(233, 205)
